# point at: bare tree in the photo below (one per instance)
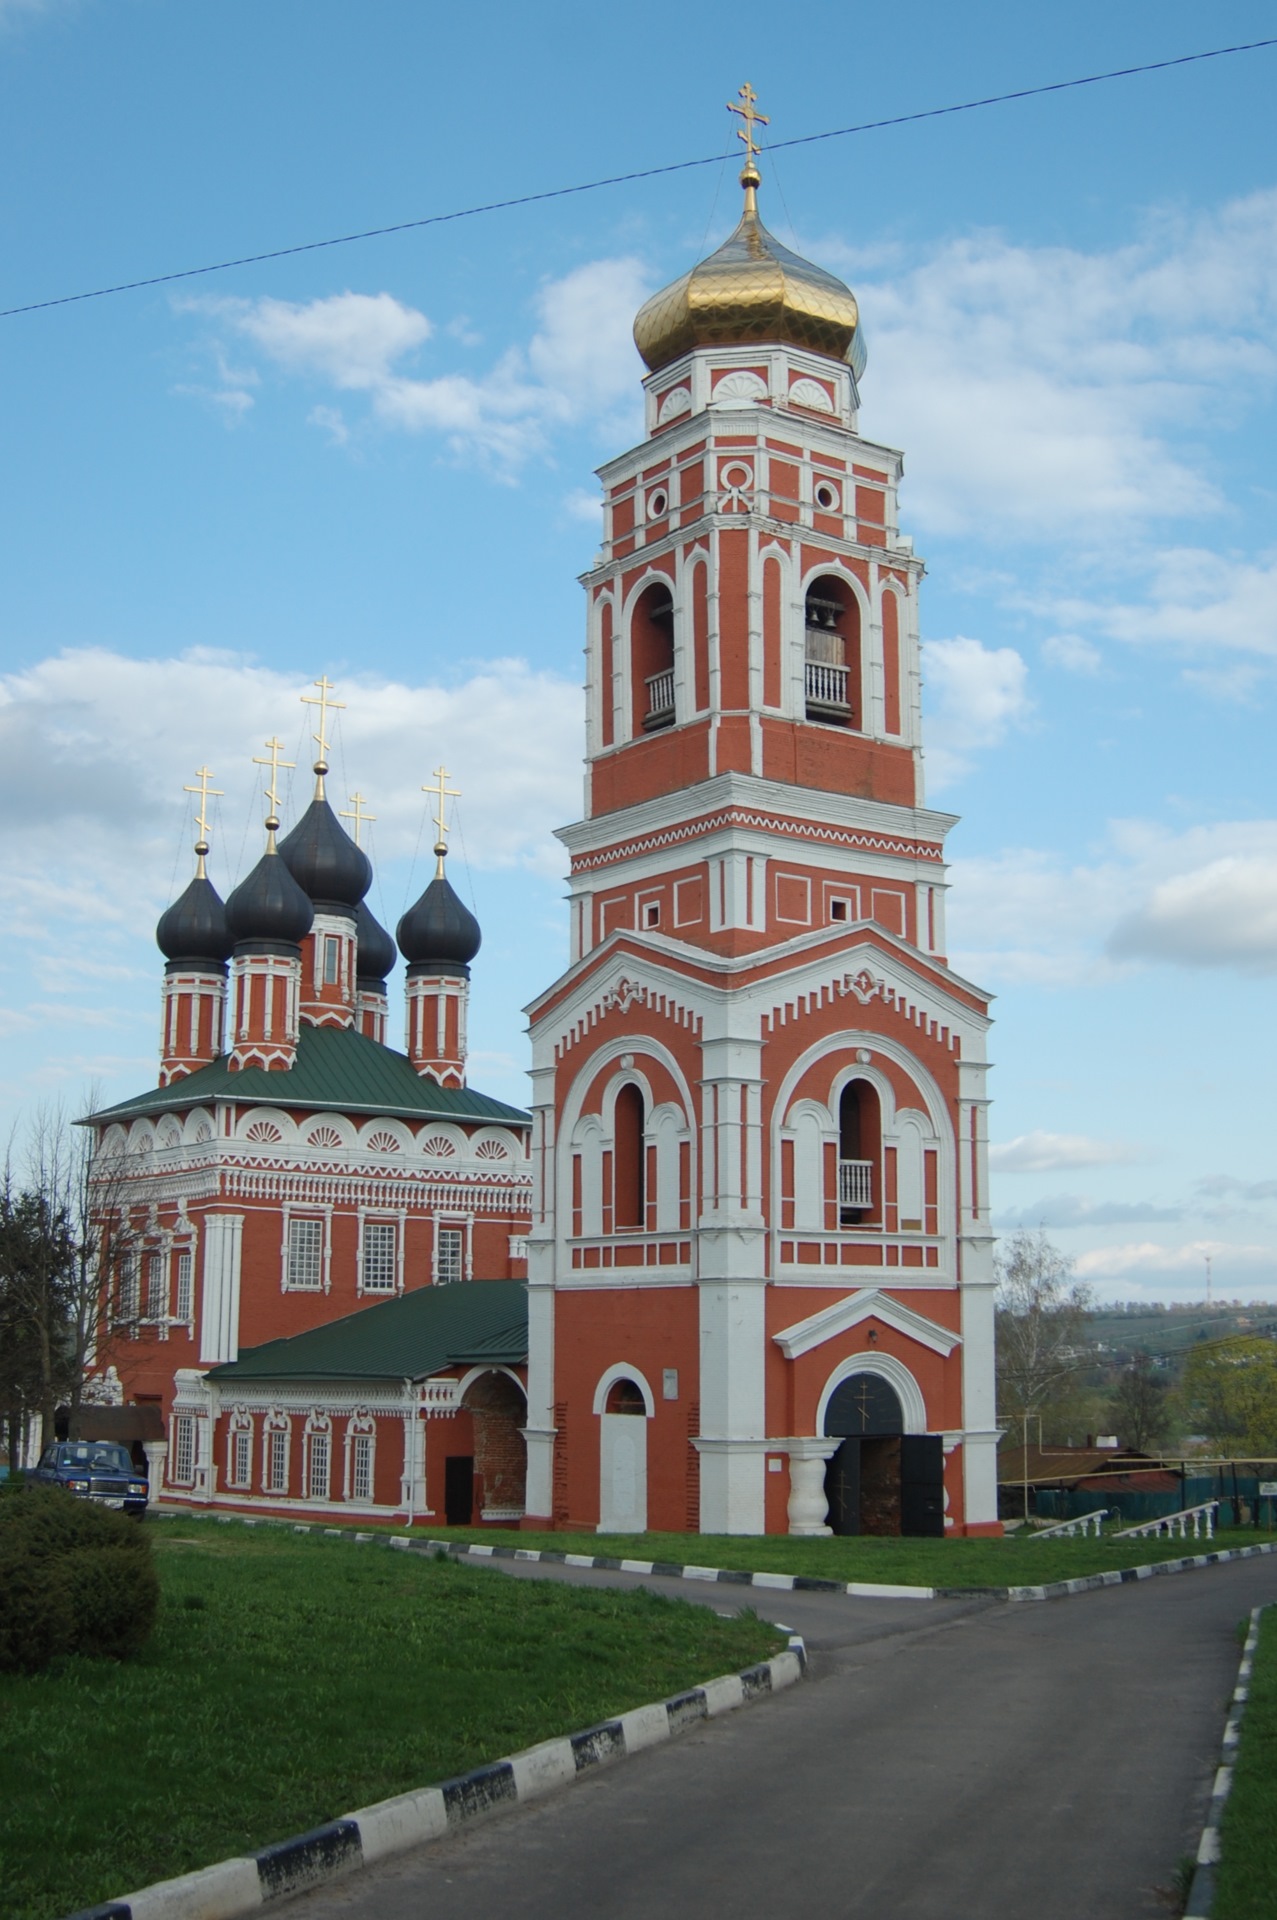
(1039, 1320)
(1141, 1410)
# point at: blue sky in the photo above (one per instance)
(376, 461)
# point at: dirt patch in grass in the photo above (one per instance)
(292, 1678)
(1247, 1884)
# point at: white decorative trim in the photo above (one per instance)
(810, 393)
(740, 388)
(885, 1365)
(623, 1371)
(673, 404)
(873, 1304)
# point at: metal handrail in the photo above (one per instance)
(855, 1183)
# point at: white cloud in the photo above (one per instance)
(1076, 1210)
(1150, 1257)
(1223, 914)
(1072, 652)
(1041, 1152)
(975, 694)
(1194, 601)
(1203, 898)
(1048, 389)
(95, 750)
(579, 362)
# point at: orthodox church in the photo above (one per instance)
(733, 1271)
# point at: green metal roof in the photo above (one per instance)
(408, 1338)
(335, 1068)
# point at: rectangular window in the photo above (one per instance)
(317, 1467)
(380, 1247)
(183, 1450)
(241, 1458)
(129, 1302)
(361, 1467)
(305, 1253)
(277, 1460)
(330, 960)
(184, 1305)
(156, 1287)
(449, 1255)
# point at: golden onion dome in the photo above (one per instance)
(752, 291)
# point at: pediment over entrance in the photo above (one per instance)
(872, 1304)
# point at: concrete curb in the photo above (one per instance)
(1201, 1896)
(235, 1887)
(808, 1583)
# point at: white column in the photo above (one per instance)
(540, 1430)
(219, 1317)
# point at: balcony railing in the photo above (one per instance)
(855, 1183)
(660, 699)
(826, 688)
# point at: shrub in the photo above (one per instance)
(74, 1578)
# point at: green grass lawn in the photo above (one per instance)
(1247, 1885)
(292, 1679)
(1012, 1562)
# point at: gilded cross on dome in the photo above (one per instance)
(443, 793)
(357, 814)
(274, 747)
(325, 705)
(205, 792)
(750, 176)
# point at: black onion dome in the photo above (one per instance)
(324, 860)
(374, 948)
(439, 931)
(269, 905)
(194, 927)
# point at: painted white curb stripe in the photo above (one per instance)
(1201, 1897)
(235, 1887)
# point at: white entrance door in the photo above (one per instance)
(622, 1473)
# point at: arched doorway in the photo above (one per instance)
(623, 1459)
(499, 1465)
(881, 1480)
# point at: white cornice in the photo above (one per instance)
(851, 1312)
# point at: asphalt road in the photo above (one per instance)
(944, 1761)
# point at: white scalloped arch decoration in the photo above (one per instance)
(385, 1136)
(673, 405)
(330, 1133)
(494, 1144)
(440, 1140)
(255, 1123)
(623, 1371)
(740, 388)
(809, 393)
(141, 1137)
(198, 1127)
(169, 1132)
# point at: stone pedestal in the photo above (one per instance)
(808, 1507)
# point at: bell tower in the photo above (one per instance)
(759, 1087)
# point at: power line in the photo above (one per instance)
(624, 179)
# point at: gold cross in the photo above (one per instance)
(325, 705)
(203, 775)
(442, 790)
(750, 115)
(357, 815)
(276, 747)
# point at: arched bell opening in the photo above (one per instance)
(652, 659)
(859, 1154)
(831, 652)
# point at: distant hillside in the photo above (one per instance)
(1166, 1333)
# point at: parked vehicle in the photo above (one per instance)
(94, 1470)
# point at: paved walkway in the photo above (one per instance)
(946, 1761)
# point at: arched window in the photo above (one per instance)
(832, 653)
(628, 1158)
(652, 659)
(859, 1153)
(625, 1396)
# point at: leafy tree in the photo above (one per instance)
(1140, 1405)
(1040, 1315)
(1229, 1389)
